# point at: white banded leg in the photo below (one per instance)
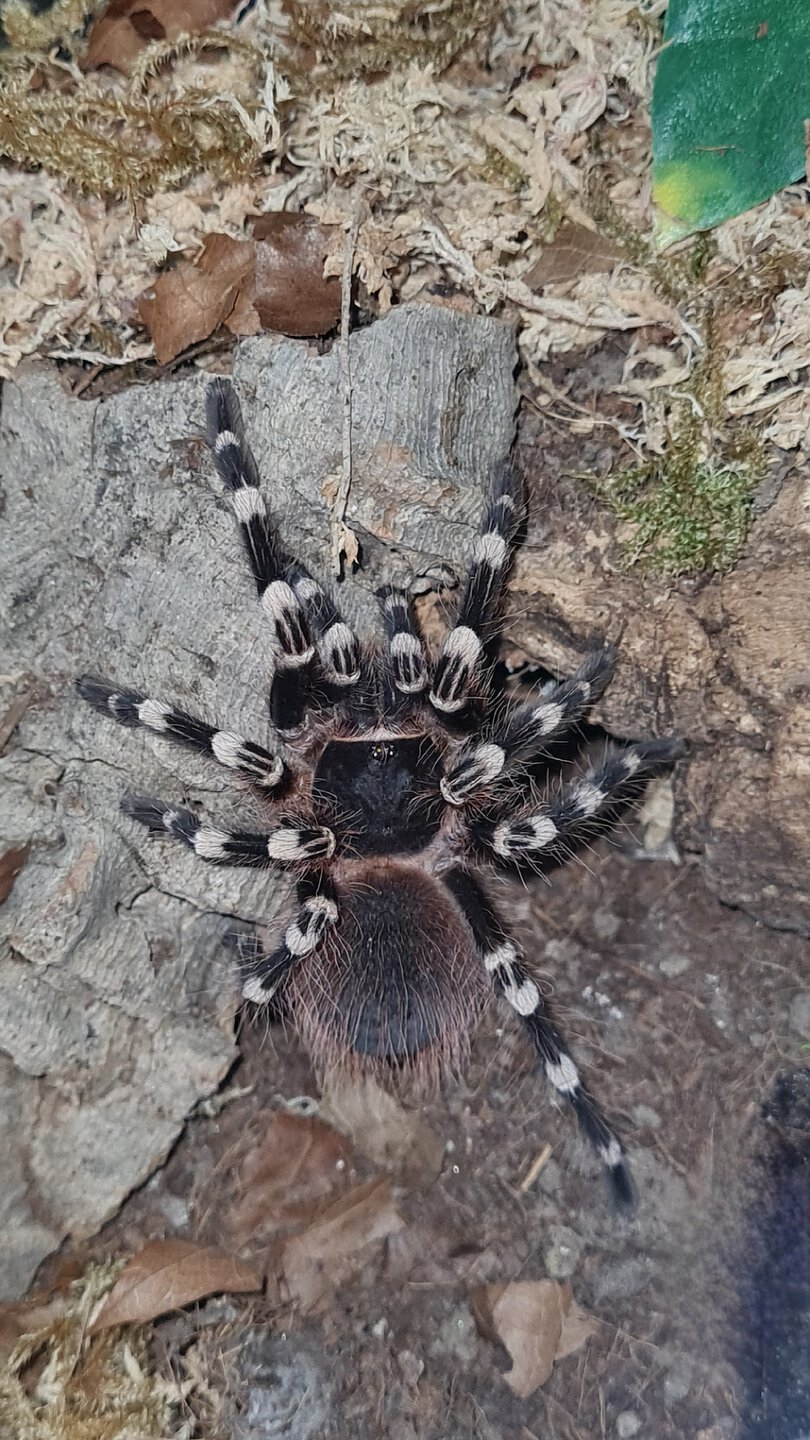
(317, 914)
(303, 618)
(458, 671)
(404, 657)
(286, 845)
(526, 731)
(529, 838)
(512, 981)
(137, 711)
(336, 643)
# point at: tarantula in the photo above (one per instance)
(401, 776)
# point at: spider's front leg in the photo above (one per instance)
(313, 642)
(461, 665)
(524, 842)
(511, 980)
(138, 711)
(289, 844)
(524, 732)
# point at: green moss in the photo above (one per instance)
(689, 514)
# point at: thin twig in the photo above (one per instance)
(539, 1162)
(339, 533)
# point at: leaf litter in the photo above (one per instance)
(537, 1321)
(501, 153)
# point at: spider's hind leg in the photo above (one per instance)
(313, 643)
(512, 981)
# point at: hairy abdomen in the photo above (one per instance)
(396, 985)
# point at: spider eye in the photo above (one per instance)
(379, 753)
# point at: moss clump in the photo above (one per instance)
(370, 37)
(134, 143)
(689, 513)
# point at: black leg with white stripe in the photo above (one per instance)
(317, 914)
(406, 675)
(525, 731)
(287, 845)
(305, 622)
(459, 672)
(138, 711)
(526, 843)
(512, 981)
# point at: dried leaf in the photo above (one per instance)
(537, 1321)
(337, 1245)
(297, 1163)
(168, 1274)
(11, 863)
(27, 1317)
(383, 1130)
(247, 285)
(191, 301)
(291, 294)
(119, 35)
(574, 251)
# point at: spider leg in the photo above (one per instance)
(287, 844)
(317, 913)
(462, 658)
(526, 841)
(307, 625)
(405, 667)
(512, 981)
(137, 711)
(525, 731)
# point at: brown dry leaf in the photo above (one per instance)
(11, 863)
(297, 1163)
(26, 1317)
(189, 303)
(574, 251)
(291, 293)
(168, 1274)
(537, 1321)
(273, 283)
(336, 1246)
(126, 27)
(383, 1130)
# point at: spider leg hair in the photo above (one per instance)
(404, 662)
(512, 981)
(138, 711)
(463, 655)
(305, 622)
(317, 913)
(525, 731)
(525, 842)
(286, 845)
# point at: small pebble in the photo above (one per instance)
(562, 1257)
(800, 1014)
(606, 925)
(678, 1380)
(646, 1117)
(628, 1424)
(674, 965)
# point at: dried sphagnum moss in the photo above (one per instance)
(134, 142)
(368, 37)
(64, 1383)
(465, 131)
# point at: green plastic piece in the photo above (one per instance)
(731, 95)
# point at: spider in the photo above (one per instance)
(401, 777)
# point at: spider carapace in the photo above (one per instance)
(396, 779)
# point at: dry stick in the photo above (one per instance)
(339, 530)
